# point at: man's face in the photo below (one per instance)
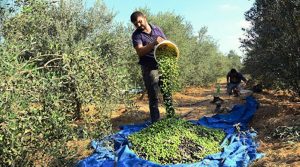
(140, 23)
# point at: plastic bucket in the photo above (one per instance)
(166, 44)
(244, 93)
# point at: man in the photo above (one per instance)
(144, 39)
(234, 79)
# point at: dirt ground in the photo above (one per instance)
(276, 109)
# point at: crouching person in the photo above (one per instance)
(234, 80)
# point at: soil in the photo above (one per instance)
(276, 109)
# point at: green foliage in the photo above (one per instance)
(234, 60)
(200, 61)
(172, 141)
(273, 43)
(32, 119)
(287, 133)
(59, 58)
(167, 65)
(56, 60)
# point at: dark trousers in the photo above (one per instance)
(231, 86)
(153, 84)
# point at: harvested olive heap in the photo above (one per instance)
(167, 66)
(172, 141)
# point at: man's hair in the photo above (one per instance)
(233, 71)
(135, 15)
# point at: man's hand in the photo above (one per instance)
(143, 50)
(159, 40)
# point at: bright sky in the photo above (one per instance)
(224, 18)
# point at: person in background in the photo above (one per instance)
(234, 79)
(144, 39)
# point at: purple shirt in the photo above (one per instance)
(140, 37)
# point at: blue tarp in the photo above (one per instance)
(239, 144)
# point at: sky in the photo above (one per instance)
(224, 18)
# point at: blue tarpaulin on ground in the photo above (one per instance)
(239, 144)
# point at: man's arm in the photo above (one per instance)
(143, 50)
(227, 77)
(243, 78)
